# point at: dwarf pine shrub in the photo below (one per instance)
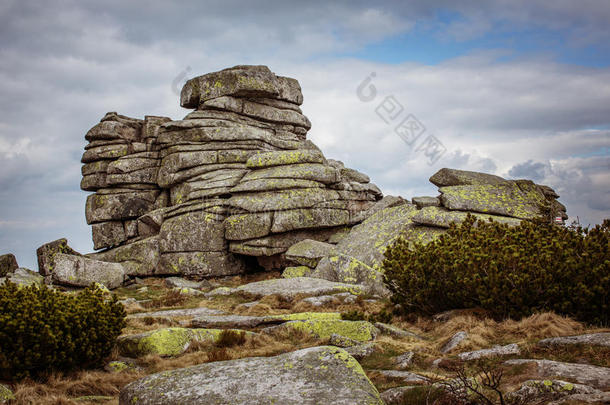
(42, 329)
(508, 271)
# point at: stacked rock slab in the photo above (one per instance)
(358, 256)
(234, 178)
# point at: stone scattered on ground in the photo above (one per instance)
(179, 282)
(595, 376)
(122, 364)
(176, 313)
(8, 264)
(405, 360)
(403, 376)
(394, 396)
(164, 342)
(356, 330)
(342, 341)
(23, 277)
(395, 331)
(361, 351)
(346, 298)
(533, 390)
(297, 271)
(317, 375)
(288, 288)
(454, 342)
(591, 339)
(509, 349)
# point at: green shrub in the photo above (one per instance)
(42, 329)
(509, 271)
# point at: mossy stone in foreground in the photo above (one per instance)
(317, 375)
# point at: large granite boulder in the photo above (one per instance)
(317, 375)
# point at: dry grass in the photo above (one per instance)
(486, 332)
(63, 388)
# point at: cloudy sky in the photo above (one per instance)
(519, 88)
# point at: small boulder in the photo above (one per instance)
(590, 339)
(24, 277)
(179, 282)
(81, 271)
(308, 252)
(454, 342)
(422, 202)
(595, 376)
(405, 360)
(512, 348)
(297, 271)
(46, 254)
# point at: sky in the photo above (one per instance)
(517, 88)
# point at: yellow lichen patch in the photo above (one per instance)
(323, 329)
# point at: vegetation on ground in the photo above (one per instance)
(507, 271)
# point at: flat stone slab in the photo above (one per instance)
(316, 375)
(455, 341)
(405, 376)
(598, 377)
(175, 313)
(361, 331)
(395, 331)
(394, 396)
(289, 287)
(592, 339)
(245, 321)
(512, 348)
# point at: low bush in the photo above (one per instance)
(508, 271)
(43, 329)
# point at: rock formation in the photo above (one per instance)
(236, 185)
(235, 179)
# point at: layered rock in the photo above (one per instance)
(357, 258)
(234, 178)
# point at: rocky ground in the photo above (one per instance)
(302, 340)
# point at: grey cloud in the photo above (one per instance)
(529, 170)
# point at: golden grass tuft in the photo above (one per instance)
(61, 389)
